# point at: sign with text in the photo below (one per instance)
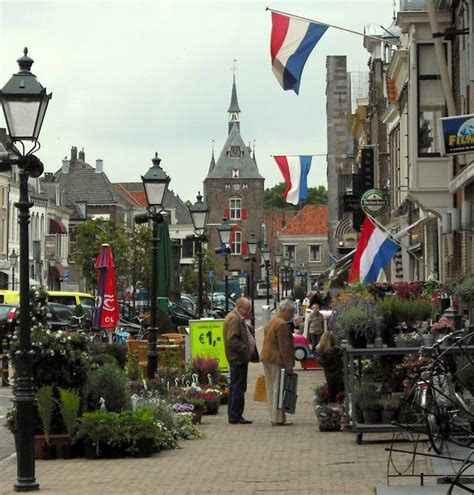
(207, 340)
(457, 134)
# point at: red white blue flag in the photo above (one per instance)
(291, 43)
(374, 252)
(295, 171)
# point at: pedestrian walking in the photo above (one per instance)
(278, 352)
(315, 326)
(330, 356)
(240, 349)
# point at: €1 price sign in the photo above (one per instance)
(207, 340)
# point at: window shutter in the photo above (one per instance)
(244, 248)
(232, 234)
(244, 213)
(227, 213)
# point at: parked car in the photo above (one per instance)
(189, 303)
(218, 305)
(303, 351)
(59, 317)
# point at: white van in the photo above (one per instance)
(261, 290)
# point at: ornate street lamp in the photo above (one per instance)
(13, 258)
(224, 230)
(266, 253)
(199, 215)
(252, 244)
(155, 183)
(51, 264)
(277, 255)
(24, 102)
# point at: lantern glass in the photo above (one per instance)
(13, 259)
(277, 256)
(224, 230)
(286, 261)
(252, 245)
(266, 253)
(199, 214)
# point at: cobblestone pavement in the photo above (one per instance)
(232, 459)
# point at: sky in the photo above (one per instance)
(131, 78)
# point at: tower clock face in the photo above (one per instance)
(235, 152)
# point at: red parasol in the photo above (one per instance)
(106, 313)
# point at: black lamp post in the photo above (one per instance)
(24, 101)
(252, 247)
(155, 183)
(277, 255)
(199, 214)
(266, 253)
(286, 264)
(13, 261)
(224, 230)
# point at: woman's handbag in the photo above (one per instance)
(260, 393)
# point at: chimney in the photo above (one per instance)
(73, 153)
(82, 155)
(65, 169)
(99, 166)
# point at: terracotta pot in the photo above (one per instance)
(56, 440)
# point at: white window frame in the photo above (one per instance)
(237, 243)
(235, 213)
(310, 247)
(287, 253)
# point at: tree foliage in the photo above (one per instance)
(189, 282)
(273, 199)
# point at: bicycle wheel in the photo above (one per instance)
(461, 423)
(435, 422)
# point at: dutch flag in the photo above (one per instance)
(291, 43)
(374, 252)
(295, 171)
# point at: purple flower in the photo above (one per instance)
(183, 408)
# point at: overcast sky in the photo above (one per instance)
(133, 77)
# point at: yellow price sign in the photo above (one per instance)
(207, 340)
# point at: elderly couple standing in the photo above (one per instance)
(277, 353)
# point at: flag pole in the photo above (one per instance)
(376, 38)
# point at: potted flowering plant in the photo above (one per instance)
(442, 327)
(408, 339)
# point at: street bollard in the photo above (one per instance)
(4, 359)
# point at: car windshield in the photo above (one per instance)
(87, 302)
(5, 311)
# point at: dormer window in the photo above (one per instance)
(235, 152)
(235, 173)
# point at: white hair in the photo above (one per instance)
(287, 305)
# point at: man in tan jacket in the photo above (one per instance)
(240, 349)
(278, 352)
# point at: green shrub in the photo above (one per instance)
(45, 403)
(101, 354)
(110, 383)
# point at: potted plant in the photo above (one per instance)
(96, 429)
(465, 290)
(442, 327)
(145, 432)
(45, 404)
(329, 416)
(69, 403)
(408, 339)
(359, 323)
(371, 410)
(390, 407)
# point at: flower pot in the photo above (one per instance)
(428, 339)
(197, 416)
(371, 417)
(91, 451)
(388, 415)
(48, 452)
(357, 340)
(57, 441)
(113, 451)
(67, 451)
(145, 447)
(387, 336)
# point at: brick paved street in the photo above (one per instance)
(237, 459)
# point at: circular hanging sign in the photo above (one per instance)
(374, 202)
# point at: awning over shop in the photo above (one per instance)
(58, 270)
(56, 227)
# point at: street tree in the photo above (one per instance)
(273, 199)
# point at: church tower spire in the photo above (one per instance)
(234, 110)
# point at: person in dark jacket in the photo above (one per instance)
(330, 356)
(240, 350)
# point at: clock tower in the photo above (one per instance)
(234, 189)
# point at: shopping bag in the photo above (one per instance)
(260, 392)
